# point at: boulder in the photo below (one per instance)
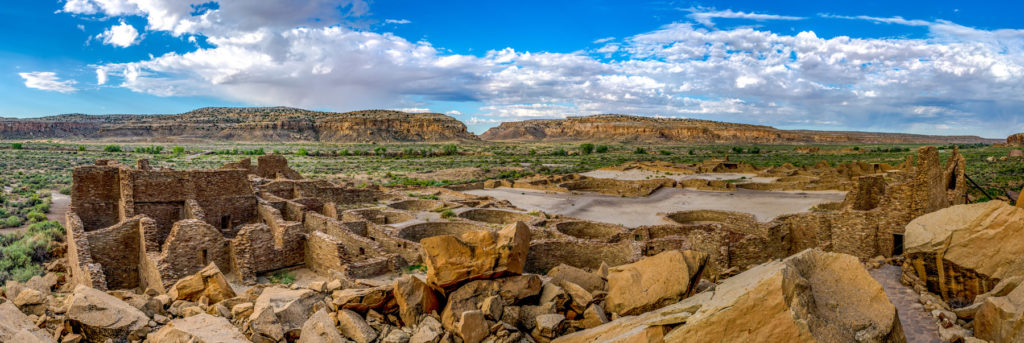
(278, 311)
(590, 281)
(429, 330)
(362, 300)
(209, 282)
(198, 328)
(353, 326)
(453, 260)
(414, 298)
(471, 296)
(1000, 318)
(813, 296)
(472, 327)
(101, 316)
(963, 251)
(31, 301)
(14, 326)
(654, 281)
(320, 328)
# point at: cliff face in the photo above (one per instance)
(624, 128)
(1015, 140)
(276, 124)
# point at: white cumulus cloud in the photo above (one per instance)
(121, 35)
(48, 81)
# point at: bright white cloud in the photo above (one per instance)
(964, 78)
(121, 35)
(48, 81)
(397, 21)
(706, 17)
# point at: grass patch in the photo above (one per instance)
(282, 278)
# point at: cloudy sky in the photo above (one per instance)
(937, 67)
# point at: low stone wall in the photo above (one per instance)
(496, 216)
(80, 263)
(546, 254)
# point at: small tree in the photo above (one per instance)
(586, 148)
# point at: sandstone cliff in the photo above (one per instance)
(1016, 140)
(246, 124)
(626, 128)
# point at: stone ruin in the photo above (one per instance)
(145, 228)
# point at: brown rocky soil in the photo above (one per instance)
(254, 124)
(626, 128)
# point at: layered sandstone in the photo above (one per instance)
(1016, 139)
(246, 124)
(626, 128)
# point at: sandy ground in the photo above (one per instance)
(634, 212)
(58, 207)
(640, 174)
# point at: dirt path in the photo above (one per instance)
(918, 325)
(59, 205)
(634, 212)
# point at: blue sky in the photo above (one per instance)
(938, 67)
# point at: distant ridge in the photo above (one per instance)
(286, 124)
(246, 124)
(637, 129)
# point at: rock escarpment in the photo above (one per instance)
(246, 124)
(1016, 139)
(626, 128)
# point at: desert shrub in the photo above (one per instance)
(601, 149)
(112, 148)
(81, 148)
(737, 150)
(380, 151)
(35, 216)
(283, 278)
(178, 150)
(22, 254)
(640, 150)
(665, 152)
(153, 150)
(302, 152)
(450, 149)
(447, 213)
(586, 148)
(12, 221)
(16, 146)
(559, 152)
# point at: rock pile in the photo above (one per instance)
(475, 290)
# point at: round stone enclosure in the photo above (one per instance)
(496, 216)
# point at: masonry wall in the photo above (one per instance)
(117, 250)
(83, 270)
(191, 246)
(95, 196)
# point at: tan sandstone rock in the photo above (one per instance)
(202, 328)
(963, 251)
(209, 282)
(414, 298)
(473, 295)
(813, 296)
(14, 325)
(278, 311)
(320, 328)
(102, 316)
(590, 281)
(353, 326)
(452, 260)
(654, 282)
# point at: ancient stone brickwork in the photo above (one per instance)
(83, 270)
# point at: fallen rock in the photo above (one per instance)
(101, 316)
(14, 325)
(31, 301)
(654, 281)
(320, 328)
(362, 300)
(428, 331)
(209, 282)
(353, 326)
(471, 296)
(472, 327)
(999, 318)
(962, 251)
(278, 311)
(549, 326)
(590, 281)
(453, 260)
(198, 328)
(414, 298)
(592, 317)
(812, 296)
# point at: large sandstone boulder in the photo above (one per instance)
(1016, 139)
(414, 298)
(963, 251)
(654, 282)
(209, 282)
(101, 316)
(813, 296)
(201, 328)
(14, 326)
(278, 311)
(320, 328)
(473, 296)
(1001, 319)
(452, 260)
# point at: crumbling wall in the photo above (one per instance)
(546, 254)
(83, 270)
(191, 246)
(117, 249)
(95, 195)
(253, 251)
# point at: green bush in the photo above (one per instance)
(640, 150)
(302, 152)
(112, 148)
(12, 221)
(22, 254)
(283, 278)
(178, 150)
(81, 148)
(601, 149)
(586, 148)
(559, 152)
(665, 152)
(450, 149)
(16, 146)
(447, 213)
(35, 216)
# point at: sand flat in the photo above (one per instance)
(634, 212)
